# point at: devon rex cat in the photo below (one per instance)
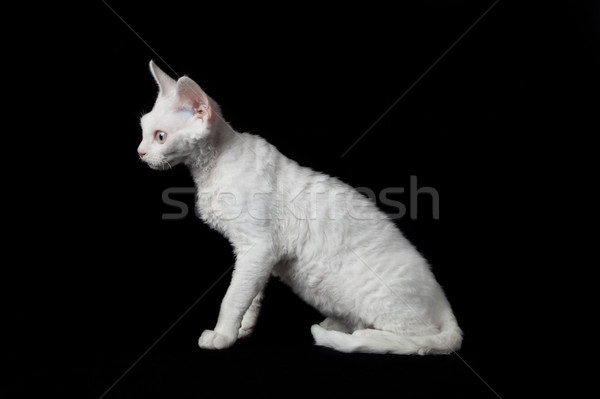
(331, 245)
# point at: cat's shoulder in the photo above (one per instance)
(256, 142)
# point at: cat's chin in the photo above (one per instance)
(165, 165)
(161, 163)
(159, 167)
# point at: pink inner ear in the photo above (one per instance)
(192, 98)
(189, 91)
(196, 108)
(201, 109)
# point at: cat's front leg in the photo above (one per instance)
(249, 278)
(250, 317)
(212, 340)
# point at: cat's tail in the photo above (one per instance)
(448, 340)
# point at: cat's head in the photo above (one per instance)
(182, 119)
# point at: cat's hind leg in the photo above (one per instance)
(333, 324)
(446, 340)
(366, 341)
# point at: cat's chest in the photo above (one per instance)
(212, 207)
(227, 210)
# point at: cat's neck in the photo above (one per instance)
(202, 162)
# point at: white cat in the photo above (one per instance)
(330, 244)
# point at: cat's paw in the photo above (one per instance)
(248, 323)
(245, 332)
(213, 340)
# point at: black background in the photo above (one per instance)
(99, 277)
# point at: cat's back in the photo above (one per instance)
(275, 190)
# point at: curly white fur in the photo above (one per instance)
(330, 244)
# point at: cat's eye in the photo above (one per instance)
(161, 136)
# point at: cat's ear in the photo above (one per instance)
(191, 97)
(165, 82)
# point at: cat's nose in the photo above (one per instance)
(141, 154)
